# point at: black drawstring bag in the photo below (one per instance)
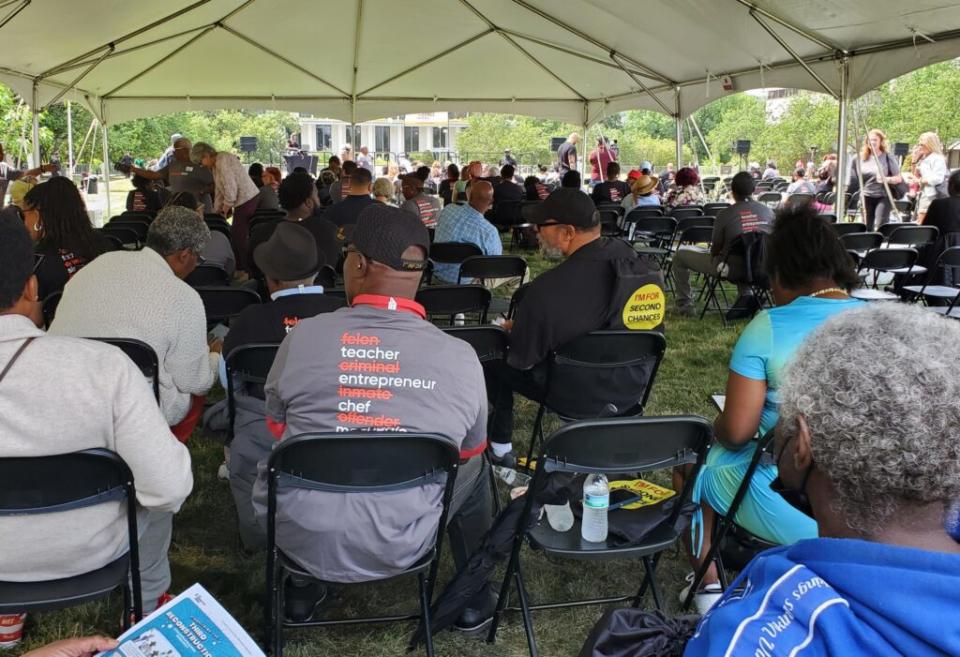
(629, 632)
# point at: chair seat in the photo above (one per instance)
(916, 270)
(17, 597)
(868, 294)
(422, 564)
(569, 544)
(937, 291)
(652, 251)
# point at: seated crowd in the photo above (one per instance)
(860, 498)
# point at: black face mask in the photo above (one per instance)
(795, 497)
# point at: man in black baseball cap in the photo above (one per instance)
(379, 366)
(589, 290)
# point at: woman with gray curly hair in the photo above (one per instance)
(869, 442)
(233, 191)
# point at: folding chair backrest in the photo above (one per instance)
(714, 208)
(223, 229)
(455, 299)
(453, 252)
(638, 214)
(610, 207)
(487, 267)
(224, 303)
(690, 222)
(829, 218)
(142, 355)
(125, 234)
(516, 298)
(626, 445)
(847, 228)
(656, 226)
(490, 342)
(207, 274)
(139, 227)
(507, 213)
(884, 259)
(247, 369)
(796, 200)
(886, 229)
(861, 241)
(914, 235)
(327, 276)
(604, 373)
(63, 482)
(360, 462)
(685, 211)
(768, 198)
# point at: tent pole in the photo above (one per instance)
(69, 141)
(35, 114)
(678, 124)
(841, 201)
(106, 168)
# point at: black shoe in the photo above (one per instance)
(302, 601)
(476, 620)
(508, 460)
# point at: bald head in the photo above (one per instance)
(480, 195)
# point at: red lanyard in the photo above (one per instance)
(400, 304)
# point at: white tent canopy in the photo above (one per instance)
(576, 60)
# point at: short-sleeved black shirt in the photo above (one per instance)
(610, 191)
(346, 211)
(563, 154)
(570, 300)
(270, 322)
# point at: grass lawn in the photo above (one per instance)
(205, 542)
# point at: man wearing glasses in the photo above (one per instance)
(180, 174)
(586, 292)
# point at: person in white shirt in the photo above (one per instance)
(141, 295)
(365, 161)
(62, 395)
(931, 169)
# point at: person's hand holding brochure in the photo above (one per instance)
(191, 625)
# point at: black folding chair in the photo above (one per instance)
(208, 275)
(770, 199)
(930, 289)
(749, 248)
(488, 267)
(600, 374)
(700, 237)
(896, 261)
(684, 211)
(140, 227)
(356, 464)
(247, 369)
(726, 523)
(452, 300)
(714, 208)
(125, 235)
(506, 214)
(133, 214)
(641, 212)
(327, 276)
(451, 253)
(912, 235)
(654, 233)
(221, 304)
(849, 227)
(886, 229)
(63, 483)
(116, 244)
(829, 218)
(223, 229)
(49, 305)
(859, 244)
(610, 223)
(516, 299)
(622, 446)
(142, 355)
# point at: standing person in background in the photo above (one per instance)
(168, 154)
(234, 192)
(600, 158)
(8, 173)
(930, 168)
(878, 168)
(364, 160)
(181, 175)
(508, 158)
(567, 154)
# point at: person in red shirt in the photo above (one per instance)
(600, 157)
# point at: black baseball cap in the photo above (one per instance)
(382, 233)
(566, 206)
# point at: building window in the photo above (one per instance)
(324, 137)
(353, 136)
(439, 138)
(382, 138)
(411, 139)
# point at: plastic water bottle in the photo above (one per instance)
(510, 476)
(596, 503)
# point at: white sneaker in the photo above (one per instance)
(223, 472)
(705, 598)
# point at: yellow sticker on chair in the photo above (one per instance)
(649, 493)
(644, 309)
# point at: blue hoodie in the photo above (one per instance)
(837, 598)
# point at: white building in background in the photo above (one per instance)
(413, 133)
(777, 100)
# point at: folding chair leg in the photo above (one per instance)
(425, 615)
(525, 611)
(505, 589)
(712, 556)
(650, 570)
(127, 606)
(537, 429)
(647, 581)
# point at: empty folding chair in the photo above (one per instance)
(64, 484)
(619, 448)
(770, 199)
(930, 290)
(912, 235)
(452, 300)
(652, 235)
(897, 261)
(451, 253)
(247, 369)
(714, 208)
(128, 236)
(208, 274)
(846, 228)
(858, 244)
(487, 270)
(682, 212)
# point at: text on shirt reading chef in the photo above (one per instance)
(370, 373)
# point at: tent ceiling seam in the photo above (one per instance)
(790, 51)
(613, 56)
(77, 79)
(13, 14)
(516, 45)
(568, 51)
(130, 35)
(596, 42)
(810, 36)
